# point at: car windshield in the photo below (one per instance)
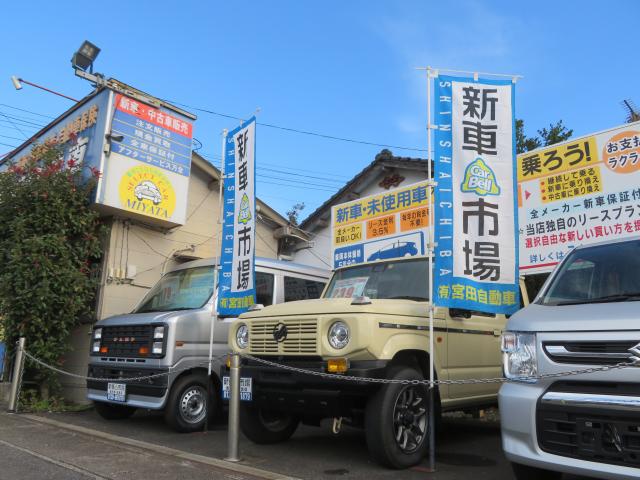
(598, 274)
(180, 290)
(394, 279)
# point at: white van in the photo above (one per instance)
(169, 331)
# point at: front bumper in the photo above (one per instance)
(519, 408)
(311, 396)
(150, 393)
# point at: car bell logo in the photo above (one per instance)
(244, 215)
(280, 332)
(479, 178)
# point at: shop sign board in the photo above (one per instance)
(80, 135)
(148, 167)
(475, 219)
(392, 224)
(236, 284)
(579, 192)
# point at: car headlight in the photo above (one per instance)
(158, 333)
(97, 334)
(339, 335)
(242, 336)
(519, 356)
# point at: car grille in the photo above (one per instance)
(597, 435)
(590, 353)
(301, 337)
(126, 340)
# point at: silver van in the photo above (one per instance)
(586, 315)
(169, 331)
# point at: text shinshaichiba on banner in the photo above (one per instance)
(476, 227)
(236, 286)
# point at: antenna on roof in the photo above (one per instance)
(632, 112)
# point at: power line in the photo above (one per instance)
(210, 155)
(296, 130)
(26, 111)
(11, 138)
(22, 118)
(312, 177)
(299, 186)
(295, 180)
(7, 145)
(14, 125)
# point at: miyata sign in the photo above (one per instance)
(578, 192)
(475, 214)
(387, 225)
(148, 170)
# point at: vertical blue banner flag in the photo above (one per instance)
(476, 223)
(236, 284)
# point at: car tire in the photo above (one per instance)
(264, 427)
(391, 421)
(525, 472)
(109, 411)
(189, 404)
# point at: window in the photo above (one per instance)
(301, 289)
(180, 290)
(395, 279)
(603, 273)
(264, 288)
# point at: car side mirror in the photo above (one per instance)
(459, 313)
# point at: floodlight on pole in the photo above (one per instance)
(84, 57)
(16, 82)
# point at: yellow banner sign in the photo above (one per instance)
(557, 159)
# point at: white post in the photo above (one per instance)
(18, 367)
(233, 433)
(432, 352)
(214, 313)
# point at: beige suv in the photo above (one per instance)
(371, 322)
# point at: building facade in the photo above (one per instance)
(140, 248)
(384, 173)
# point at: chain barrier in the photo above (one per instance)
(111, 379)
(633, 362)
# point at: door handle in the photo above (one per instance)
(497, 333)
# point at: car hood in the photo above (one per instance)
(141, 318)
(567, 318)
(332, 306)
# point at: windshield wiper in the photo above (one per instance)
(618, 297)
(408, 297)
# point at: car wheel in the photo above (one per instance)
(525, 472)
(109, 411)
(265, 426)
(188, 404)
(397, 421)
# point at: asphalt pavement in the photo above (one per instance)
(83, 445)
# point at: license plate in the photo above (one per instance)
(246, 389)
(117, 392)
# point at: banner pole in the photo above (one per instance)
(216, 268)
(432, 398)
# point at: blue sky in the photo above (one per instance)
(343, 68)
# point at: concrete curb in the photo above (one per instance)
(214, 462)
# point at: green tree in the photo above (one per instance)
(556, 133)
(294, 212)
(49, 246)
